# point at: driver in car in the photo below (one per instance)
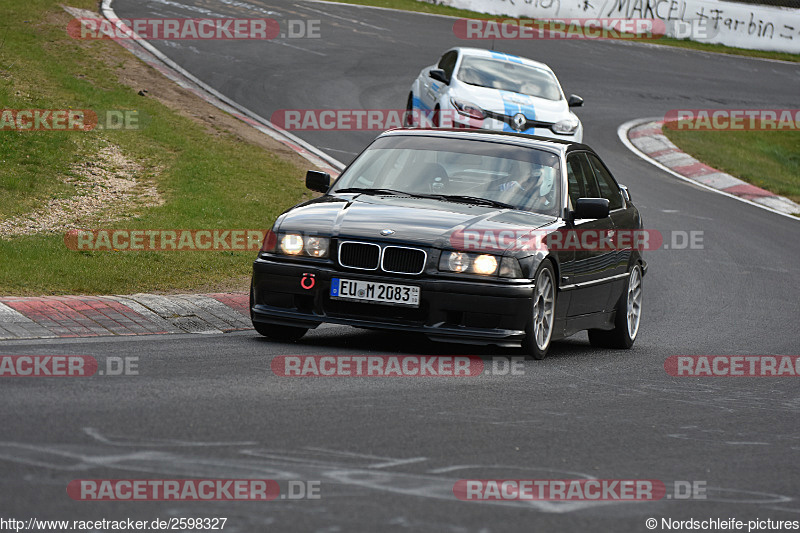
(534, 192)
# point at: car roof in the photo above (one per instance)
(520, 139)
(501, 56)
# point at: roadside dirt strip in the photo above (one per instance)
(150, 55)
(137, 314)
(649, 141)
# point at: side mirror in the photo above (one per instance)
(590, 208)
(318, 181)
(439, 75)
(575, 101)
(625, 193)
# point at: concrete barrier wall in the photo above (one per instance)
(749, 26)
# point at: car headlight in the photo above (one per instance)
(458, 262)
(308, 245)
(483, 264)
(292, 244)
(317, 246)
(468, 109)
(568, 126)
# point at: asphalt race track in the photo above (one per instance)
(387, 451)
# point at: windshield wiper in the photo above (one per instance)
(365, 190)
(476, 200)
(393, 192)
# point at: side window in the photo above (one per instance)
(574, 180)
(608, 187)
(581, 180)
(448, 63)
(589, 184)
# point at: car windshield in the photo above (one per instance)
(508, 76)
(457, 170)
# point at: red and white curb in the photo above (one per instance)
(645, 138)
(153, 57)
(149, 314)
(136, 314)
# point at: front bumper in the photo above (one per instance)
(476, 312)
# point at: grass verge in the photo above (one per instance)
(206, 176)
(424, 7)
(767, 159)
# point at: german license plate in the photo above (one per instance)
(371, 291)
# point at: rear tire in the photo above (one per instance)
(629, 316)
(436, 119)
(280, 333)
(539, 331)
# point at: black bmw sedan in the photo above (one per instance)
(464, 236)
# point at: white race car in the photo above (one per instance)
(475, 88)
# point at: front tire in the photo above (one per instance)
(629, 316)
(539, 331)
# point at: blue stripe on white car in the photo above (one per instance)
(516, 103)
(506, 57)
(416, 103)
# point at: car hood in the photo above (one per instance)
(510, 104)
(418, 221)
